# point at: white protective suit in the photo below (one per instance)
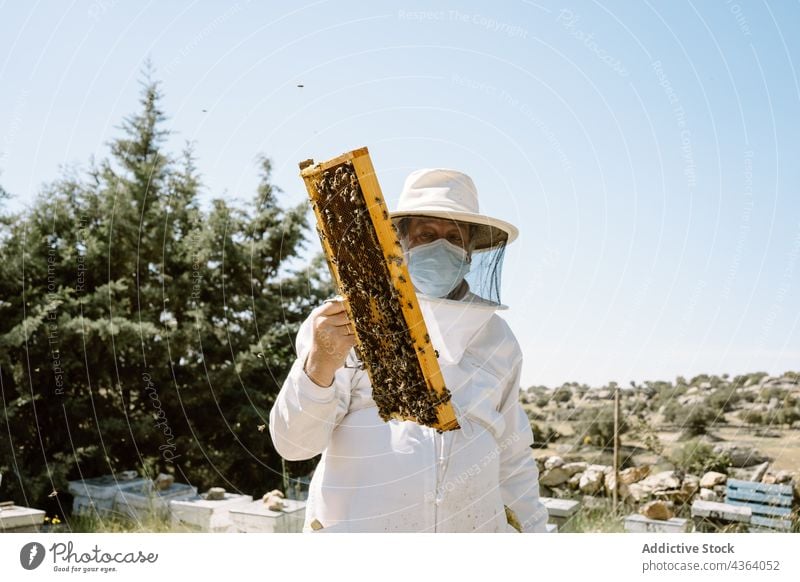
(377, 476)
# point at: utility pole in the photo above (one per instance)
(616, 447)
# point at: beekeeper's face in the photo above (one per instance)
(423, 230)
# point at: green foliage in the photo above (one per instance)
(756, 377)
(752, 416)
(600, 517)
(770, 392)
(698, 418)
(785, 415)
(665, 394)
(138, 331)
(598, 425)
(562, 394)
(724, 398)
(641, 430)
(543, 436)
(534, 414)
(697, 457)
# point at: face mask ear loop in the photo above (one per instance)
(463, 421)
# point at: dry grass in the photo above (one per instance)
(151, 523)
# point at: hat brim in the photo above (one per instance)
(493, 233)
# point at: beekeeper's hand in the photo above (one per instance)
(332, 338)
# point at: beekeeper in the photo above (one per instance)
(377, 476)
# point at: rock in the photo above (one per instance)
(215, 494)
(163, 481)
(633, 474)
(637, 491)
(127, 475)
(274, 500)
(662, 465)
(608, 483)
(575, 467)
(691, 400)
(741, 455)
(591, 481)
(657, 510)
(707, 495)
(783, 476)
(768, 479)
(690, 486)
(766, 433)
(661, 481)
(622, 491)
(574, 481)
(553, 462)
(759, 472)
(672, 495)
(712, 478)
(554, 477)
(738, 473)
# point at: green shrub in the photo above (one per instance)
(598, 425)
(724, 398)
(562, 395)
(771, 392)
(698, 457)
(752, 416)
(696, 422)
(543, 436)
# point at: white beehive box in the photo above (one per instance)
(18, 519)
(637, 523)
(256, 518)
(146, 500)
(208, 515)
(561, 511)
(97, 495)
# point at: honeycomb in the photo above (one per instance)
(366, 260)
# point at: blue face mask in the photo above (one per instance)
(438, 267)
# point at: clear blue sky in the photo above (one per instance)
(647, 151)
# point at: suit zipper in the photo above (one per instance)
(440, 469)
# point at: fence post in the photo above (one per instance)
(616, 448)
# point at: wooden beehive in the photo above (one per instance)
(97, 495)
(208, 515)
(144, 501)
(19, 519)
(256, 518)
(366, 260)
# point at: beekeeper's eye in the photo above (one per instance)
(456, 240)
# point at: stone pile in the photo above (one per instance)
(659, 492)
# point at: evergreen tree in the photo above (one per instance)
(138, 331)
